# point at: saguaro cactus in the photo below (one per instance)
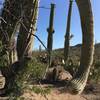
(25, 38)
(78, 82)
(67, 35)
(50, 31)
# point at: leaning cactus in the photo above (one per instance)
(78, 82)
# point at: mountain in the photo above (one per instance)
(75, 52)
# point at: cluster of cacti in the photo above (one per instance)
(21, 15)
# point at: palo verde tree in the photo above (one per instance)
(17, 15)
(78, 82)
(8, 27)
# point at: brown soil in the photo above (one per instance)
(60, 93)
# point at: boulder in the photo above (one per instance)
(58, 73)
(2, 81)
(65, 75)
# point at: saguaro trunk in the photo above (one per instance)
(25, 38)
(78, 83)
(67, 35)
(50, 31)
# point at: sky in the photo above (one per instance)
(60, 21)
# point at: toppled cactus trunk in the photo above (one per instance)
(2, 81)
(78, 82)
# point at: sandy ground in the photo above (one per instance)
(60, 96)
(59, 93)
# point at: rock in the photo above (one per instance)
(58, 73)
(2, 81)
(65, 75)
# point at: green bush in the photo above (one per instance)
(3, 56)
(35, 69)
(32, 71)
(42, 91)
(95, 72)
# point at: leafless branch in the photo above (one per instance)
(2, 19)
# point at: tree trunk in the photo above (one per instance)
(25, 38)
(78, 82)
(10, 13)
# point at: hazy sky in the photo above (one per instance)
(60, 20)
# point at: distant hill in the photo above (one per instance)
(75, 52)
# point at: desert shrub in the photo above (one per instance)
(40, 90)
(95, 72)
(33, 70)
(71, 67)
(58, 53)
(30, 73)
(3, 56)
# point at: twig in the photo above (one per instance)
(44, 7)
(2, 19)
(43, 93)
(84, 97)
(20, 21)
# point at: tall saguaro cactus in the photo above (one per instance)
(78, 83)
(50, 31)
(67, 35)
(25, 38)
